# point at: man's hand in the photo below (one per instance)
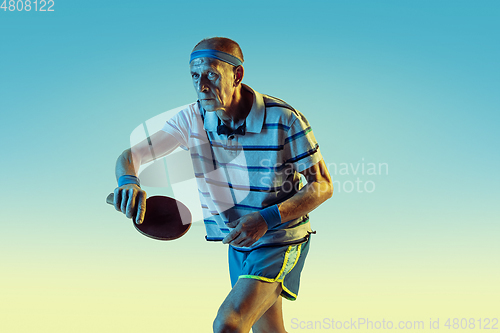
(247, 230)
(130, 199)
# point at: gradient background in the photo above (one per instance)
(413, 84)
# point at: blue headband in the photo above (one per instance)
(223, 56)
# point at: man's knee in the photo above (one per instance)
(228, 322)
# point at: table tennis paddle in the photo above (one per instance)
(165, 218)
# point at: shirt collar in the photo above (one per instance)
(254, 120)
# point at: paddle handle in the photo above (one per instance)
(110, 199)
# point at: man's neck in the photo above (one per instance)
(234, 116)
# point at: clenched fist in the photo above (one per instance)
(130, 199)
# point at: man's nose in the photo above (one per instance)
(202, 85)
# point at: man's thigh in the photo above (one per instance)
(272, 320)
(247, 302)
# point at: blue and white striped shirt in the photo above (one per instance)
(239, 174)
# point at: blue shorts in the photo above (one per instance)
(278, 263)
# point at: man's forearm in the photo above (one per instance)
(304, 201)
(161, 143)
(127, 164)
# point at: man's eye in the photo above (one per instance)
(194, 76)
(211, 74)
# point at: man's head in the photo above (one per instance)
(217, 72)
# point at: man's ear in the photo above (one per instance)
(239, 72)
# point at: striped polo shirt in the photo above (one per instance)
(237, 174)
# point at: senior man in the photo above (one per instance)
(248, 151)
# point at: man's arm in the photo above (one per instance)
(249, 228)
(130, 199)
(319, 188)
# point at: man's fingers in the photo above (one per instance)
(116, 199)
(141, 208)
(232, 224)
(132, 194)
(242, 241)
(232, 235)
(247, 243)
(131, 201)
(123, 206)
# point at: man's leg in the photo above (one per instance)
(247, 302)
(272, 320)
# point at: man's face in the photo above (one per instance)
(213, 81)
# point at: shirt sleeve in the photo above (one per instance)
(178, 126)
(300, 147)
